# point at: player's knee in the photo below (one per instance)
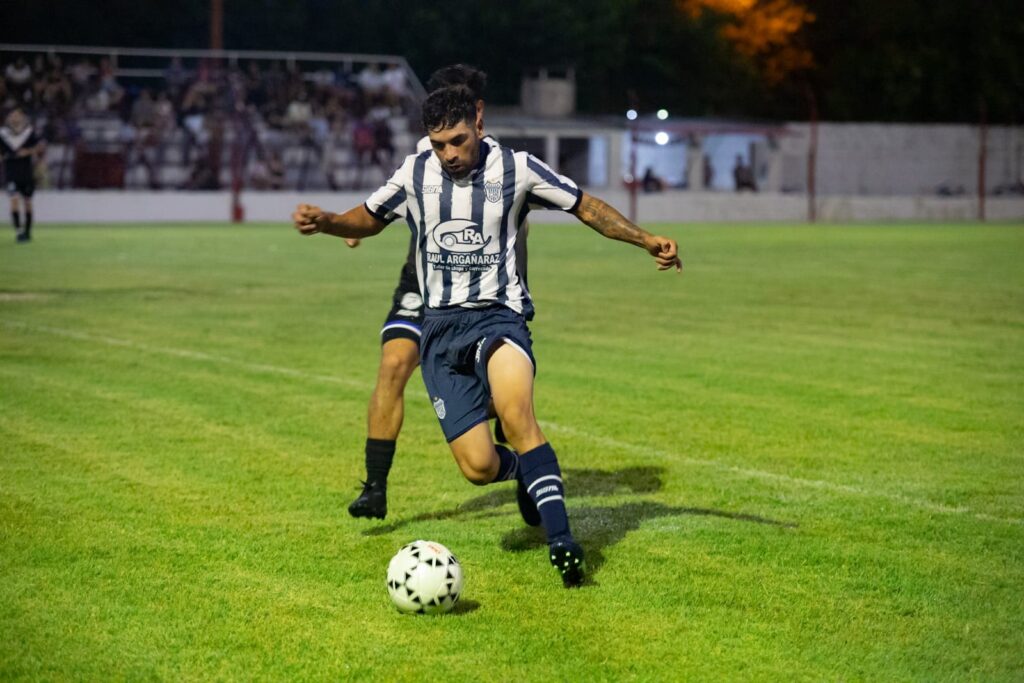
(477, 477)
(397, 366)
(517, 419)
(479, 467)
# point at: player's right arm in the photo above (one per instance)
(356, 223)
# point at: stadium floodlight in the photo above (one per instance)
(662, 114)
(661, 138)
(631, 114)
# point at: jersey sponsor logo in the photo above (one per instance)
(459, 236)
(431, 189)
(493, 191)
(439, 408)
(461, 245)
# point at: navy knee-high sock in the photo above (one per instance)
(16, 220)
(28, 222)
(379, 455)
(540, 474)
(508, 467)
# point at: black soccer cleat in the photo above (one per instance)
(567, 558)
(372, 502)
(527, 508)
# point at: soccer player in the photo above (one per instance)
(18, 145)
(465, 201)
(400, 337)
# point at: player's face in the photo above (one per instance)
(16, 120)
(458, 147)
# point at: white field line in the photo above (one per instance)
(638, 449)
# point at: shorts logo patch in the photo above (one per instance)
(411, 301)
(479, 348)
(493, 192)
(439, 408)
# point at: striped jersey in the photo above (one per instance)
(470, 232)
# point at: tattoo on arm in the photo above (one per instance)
(606, 220)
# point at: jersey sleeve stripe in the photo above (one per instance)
(548, 176)
(379, 216)
(535, 201)
(396, 200)
(508, 197)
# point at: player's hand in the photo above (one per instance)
(665, 252)
(352, 242)
(310, 219)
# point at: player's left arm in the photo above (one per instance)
(606, 220)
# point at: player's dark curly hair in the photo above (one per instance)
(459, 74)
(447, 107)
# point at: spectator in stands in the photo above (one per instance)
(147, 146)
(364, 148)
(109, 84)
(383, 146)
(268, 174)
(287, 107)
(651, 182)
(709, 172)
(299, 113)
(394, 85)
(97, 100)
(144, 110)
(371, 81)
(18, 77)
(743, 175)
(176, 79)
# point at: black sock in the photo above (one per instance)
(28, 222)
(16, 220)
(509, 467)
(539, 472)
(379, 454)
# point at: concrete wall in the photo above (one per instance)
(703, 207)
(900, 160)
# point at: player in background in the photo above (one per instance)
(465, 201)
(400, 335)
(19, 146)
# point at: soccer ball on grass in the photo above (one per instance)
(425, 578)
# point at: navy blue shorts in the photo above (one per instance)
(454, 350)
(405, 319)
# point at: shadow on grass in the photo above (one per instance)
(578, 483)
(597, 528)
(465, 607)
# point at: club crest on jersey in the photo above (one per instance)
(439, 408)
(459, 236)
(493, 191)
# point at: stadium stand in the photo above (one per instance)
(200, 119)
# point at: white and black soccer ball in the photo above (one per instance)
(424, 578)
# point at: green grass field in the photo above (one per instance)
(802, 459)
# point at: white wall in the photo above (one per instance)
(900, 160)
(145, 207)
